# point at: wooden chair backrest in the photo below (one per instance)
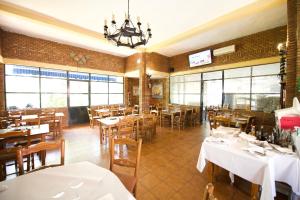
(125, 126)
(125, 162)
(42, 146)
(221, 121)
(15, 136)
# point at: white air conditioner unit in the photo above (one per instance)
(224, 50)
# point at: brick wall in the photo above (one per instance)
(298, 45)
(291, 52)
(23, 47)
(157, 62)
(255, 46)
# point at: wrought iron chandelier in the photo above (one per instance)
(127, 35)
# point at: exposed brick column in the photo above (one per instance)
(291, 51)
(298, 45)
(126, 91)
(2, 93)
(142, 82)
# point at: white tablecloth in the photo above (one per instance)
(82, 180)
(262, 170)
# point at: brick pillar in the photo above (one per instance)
(2, 93)
(291, 51)
(298, 46)
(127, 92)
(142, 82)
(167, 92)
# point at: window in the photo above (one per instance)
(79, 89)
(22, 87)
(265, 88)
(33, 87)
(115, 89)
(99, 89)
(257, 87)
(53, 88)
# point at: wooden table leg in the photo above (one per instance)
(211, 171)
(172, 120)
(101, 133)
(254, 191)
(43, 153)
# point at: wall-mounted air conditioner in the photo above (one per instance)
(224, 50)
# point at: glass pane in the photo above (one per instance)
(51, 73)
(21, 84)
(192, 99)
(98, 77)
(79, 99)
(115, 98)
(78, 76)
(177, 98)
(118, 79)
(240, 72)
(265, 84)
(115, 88)
(212, 93)
(237, 85)
(237, 101)
(99, 99)
(21, 70)
(212, 75)
(21, 100)
(193, 77)
(266, 69)
(54, 100)
(265, 102)
(178, 78)
(53, 85)
(193, 87)
(177, 88)
(99, 87)
(79, 87)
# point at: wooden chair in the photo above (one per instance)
(179, 119)
(41, 147)
(211, 119)
(209, 192)
(8, 151)
(195, 116)
(221, 121)
(148, 125)
(125, 128)
(250, 122)
(48, 117)
(129, 180)
(92, 116)
(127, 111)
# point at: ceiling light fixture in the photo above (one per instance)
(127, 35)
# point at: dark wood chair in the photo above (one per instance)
(125, 160)
(41, 147)
(8, 150)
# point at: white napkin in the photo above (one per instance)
(255, 149)
(106, 197)
(247, 137)
(282, 149)
(217, 140)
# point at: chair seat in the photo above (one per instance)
(128, 181)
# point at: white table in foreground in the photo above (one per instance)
(261, 170)
(84, 180)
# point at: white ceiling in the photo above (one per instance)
(168, 18)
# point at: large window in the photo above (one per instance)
(257, 87)
(33, 87)
(53, 88)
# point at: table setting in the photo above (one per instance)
(259, 162)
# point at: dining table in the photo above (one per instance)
(169, 113)
(256, 161)
(35, 131)
(82, 180)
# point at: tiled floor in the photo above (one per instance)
(168, 163)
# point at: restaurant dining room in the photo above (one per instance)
(109, 100)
